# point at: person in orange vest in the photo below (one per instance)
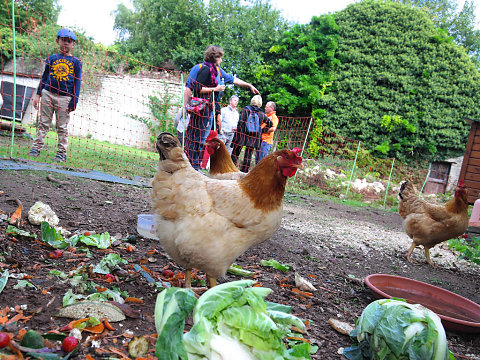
(267, 137)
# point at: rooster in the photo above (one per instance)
(221, 164)
(207, 223)
(429, 224)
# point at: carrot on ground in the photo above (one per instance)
(108, 325)
(297, 338)
(303, 293)
(134, 299)
(16, 216)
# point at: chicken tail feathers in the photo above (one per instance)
(402, 189)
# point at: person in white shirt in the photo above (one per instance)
(229, 122)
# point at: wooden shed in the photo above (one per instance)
(470, 171)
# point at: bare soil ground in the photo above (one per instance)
(331, 244)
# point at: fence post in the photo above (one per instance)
(353, 168)
(388, 184)
(184, 112)
(428, 174)
(14, 102)
(303, 147)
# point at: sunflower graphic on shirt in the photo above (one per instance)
(61, 69)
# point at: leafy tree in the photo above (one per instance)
(460, 24)
(246, 30)
(394, 64)
(33, 20)
(155, 29)
(176, 33)
(298, 71)
(30, 11)
(49, 9)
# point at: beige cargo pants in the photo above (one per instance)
(58, 104)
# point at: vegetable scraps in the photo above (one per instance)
(275, 264)
(54, 238)
(231, 318)
(394, 329)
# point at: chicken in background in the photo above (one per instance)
(430, 224)
(221, 164)
(207, 223)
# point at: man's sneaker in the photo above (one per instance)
(60, 158)
(34, 153)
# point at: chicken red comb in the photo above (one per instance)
(296, 151)
(461, 182)
(213, 134)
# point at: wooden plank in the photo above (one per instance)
(476, 147)
(474, 128)
(474, 162)
(473, 177)
(473, 169)
(8, 125)
(475, 155)
(471, 185)
(473, 188)
(476, 138)
(473, 229)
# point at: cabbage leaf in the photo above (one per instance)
(231, 320)
(172, 307)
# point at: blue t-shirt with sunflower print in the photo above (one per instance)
(62, 75)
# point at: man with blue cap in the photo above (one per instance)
(59, 90)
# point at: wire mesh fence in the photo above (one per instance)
(123, 104)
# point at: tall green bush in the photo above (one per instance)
(394, 64)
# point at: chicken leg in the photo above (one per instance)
(212, 281)
(188, 278)
(410, 251)
(427, 255)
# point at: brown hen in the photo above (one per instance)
(430, 224)
(206, 223)
(221, 164)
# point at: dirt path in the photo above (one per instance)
(329, 243)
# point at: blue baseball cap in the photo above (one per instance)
(66, 33)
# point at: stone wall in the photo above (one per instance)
(107, 103)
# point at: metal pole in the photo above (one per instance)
(214, 115)
(184, 113)
(303, 147)
(14, 79)
(306, 136)
(388, 184)
(428, 174)
(353, 168)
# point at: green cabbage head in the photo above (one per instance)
(391, 329)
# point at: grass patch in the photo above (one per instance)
(84, 153)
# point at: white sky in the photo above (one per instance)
(94, 16)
